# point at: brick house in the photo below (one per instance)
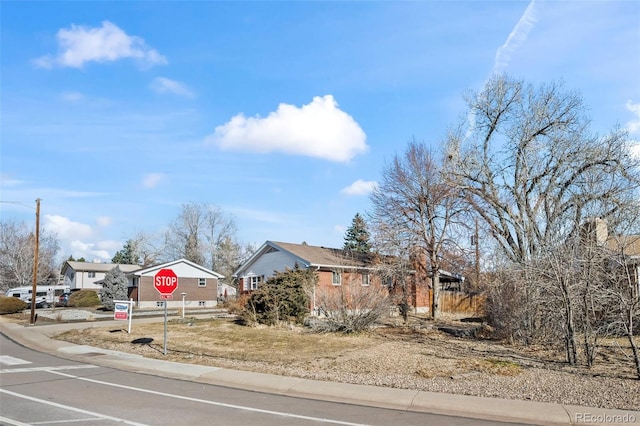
(199, 285)
(336, 268)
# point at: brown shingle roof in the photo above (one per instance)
(325, 256)
(630, 244)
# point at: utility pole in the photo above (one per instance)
(32, 321)
(477, 256)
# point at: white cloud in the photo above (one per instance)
(111, 246)
(152, 180)
(88, 251)
(66, 229)
(360, 187)
(7, 180)
(164, 85)
(107, 43)
(340, 229)
(516, 38)
(103, 221)
(72, 97)
(318, 129)
(259, 215)
(73, 237)
(634, 124)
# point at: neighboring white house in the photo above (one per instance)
(87, 275)
(226, 291)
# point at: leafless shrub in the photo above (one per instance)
(350, 307)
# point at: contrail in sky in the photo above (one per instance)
(516, 38)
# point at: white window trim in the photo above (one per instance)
(366, 279)
(254, 282)
(335, 274)
(202, 282)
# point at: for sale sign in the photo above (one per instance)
(121, 311)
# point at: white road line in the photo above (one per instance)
(69, 408)
(9, 360)
(12, 422)
(34, 369)
(53, 422)
(219, 404)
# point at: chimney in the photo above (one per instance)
(594, 230)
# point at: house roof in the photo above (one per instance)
(315, 256)
(154, 268)
(629, 243)
(325, 256)
(97, 267)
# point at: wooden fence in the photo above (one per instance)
(461, 303)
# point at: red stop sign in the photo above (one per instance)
(166, 282)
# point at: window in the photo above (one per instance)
(201, 303)
(92, 274)
(365, 279)
(388, 282)
(202, 282)
(254, 282)
(337, 278)
(160, 304)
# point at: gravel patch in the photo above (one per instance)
(71, 314)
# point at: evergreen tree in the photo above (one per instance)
(284, 298)
(114, 287)
(128, 255)
(357, 236)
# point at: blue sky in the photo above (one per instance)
(281, 113)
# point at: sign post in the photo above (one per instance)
(166, 282)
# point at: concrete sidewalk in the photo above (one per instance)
(39, 337)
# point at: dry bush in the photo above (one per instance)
(84, 299)
(351, 307)
(11, 305)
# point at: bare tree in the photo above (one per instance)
(531, 169)
(415, 196)
(200, 233)
(17, 254)
(396, 265)
(529, 166)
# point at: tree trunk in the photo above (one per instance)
(632, 342)
(435, 289)
(405, 302)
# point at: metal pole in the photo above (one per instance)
(477, 257)
(34, 288)
(130, 308)
(183, 296)
(165, 326)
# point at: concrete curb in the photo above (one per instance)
(539, 413)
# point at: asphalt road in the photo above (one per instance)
(37, 388)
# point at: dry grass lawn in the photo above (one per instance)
(418, 356)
